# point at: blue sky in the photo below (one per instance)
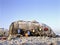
(44, 11)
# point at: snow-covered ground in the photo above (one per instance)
(31, 41)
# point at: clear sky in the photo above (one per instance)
(44, 11)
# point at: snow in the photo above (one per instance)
(31, 41)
